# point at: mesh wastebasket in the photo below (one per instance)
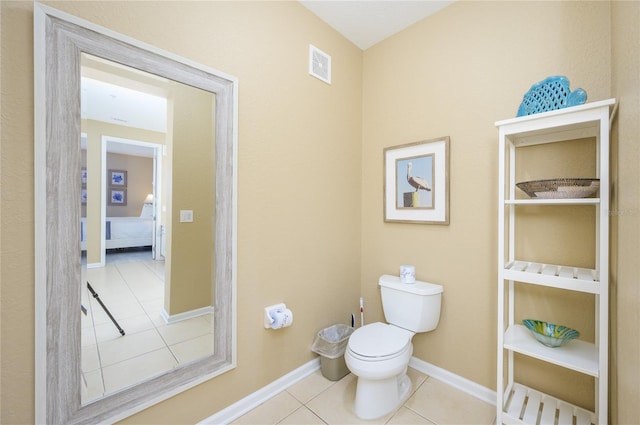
(331, 343)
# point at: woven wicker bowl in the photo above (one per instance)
(560, 188)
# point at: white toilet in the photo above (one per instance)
(378, 353)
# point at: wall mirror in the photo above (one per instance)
(135, 222)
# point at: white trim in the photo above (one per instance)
(40, 208)
(104, 146)
(103, 199)
(253, 400)
(191, 314)
(463, 384)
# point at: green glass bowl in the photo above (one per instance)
(550, 334)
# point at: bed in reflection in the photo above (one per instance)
(122, 232)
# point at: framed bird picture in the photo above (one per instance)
(416, 182)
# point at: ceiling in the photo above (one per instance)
(121, 105)
(367, 22)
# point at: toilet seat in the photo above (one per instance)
(379, 341)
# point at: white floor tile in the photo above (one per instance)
(272, 411)
(154, 308)
(335, 405)
(92, 386)
(119, 307)
(193, 349)
(87, 335)
(184, 330)
(406, 416)
(90, 358)
(132, 325)
(431, 403)
(128, 346)
(157, 267)
(310, 387)
(302, 416)
(443, 404)
(136, 369)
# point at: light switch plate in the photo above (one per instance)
(186, 216)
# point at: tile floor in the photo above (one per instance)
(317, 400)
(131, 285)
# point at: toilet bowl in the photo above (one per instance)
(379, 353)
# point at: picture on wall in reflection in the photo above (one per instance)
(118, 197)
(117, 178)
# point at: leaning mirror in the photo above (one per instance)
(135, 222)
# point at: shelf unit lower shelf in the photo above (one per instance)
(563, 277)
(524, 405)
(538, 201)
(577, 355)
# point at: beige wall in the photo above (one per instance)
(299, 191)
(311, 231)
(625, 294)
(139, 183)
(455, 74)
(190, 245)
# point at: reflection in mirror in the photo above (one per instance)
(148, 143)
(91, 198)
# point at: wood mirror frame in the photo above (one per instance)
(59, 41)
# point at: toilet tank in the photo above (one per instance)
(412, 306)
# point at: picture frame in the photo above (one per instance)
(117, 197)
(117, 178)
(416, 182)
(83, 185)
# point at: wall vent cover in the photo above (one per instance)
(319, 64)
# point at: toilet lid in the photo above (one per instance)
(379, 340)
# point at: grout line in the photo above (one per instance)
(303, 406)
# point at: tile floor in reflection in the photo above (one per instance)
(131, 286)
(317, 400)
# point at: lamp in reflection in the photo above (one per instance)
(147, 207)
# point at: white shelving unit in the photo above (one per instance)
(517, 403)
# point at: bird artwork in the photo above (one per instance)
(417, 182)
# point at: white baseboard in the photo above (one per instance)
(186, 315)
(255, 399)
(250, 402)
(463, 384)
